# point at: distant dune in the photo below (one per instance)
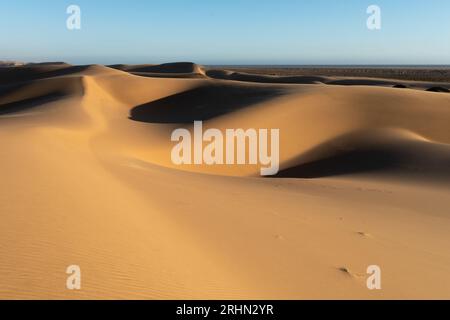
(356, 77)
(410, 73)
(172, 70)
(10, 63)
(87, 179)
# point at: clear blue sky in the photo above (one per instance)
(227, 31)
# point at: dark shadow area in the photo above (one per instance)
(357, 154)
(35, 72)
(351, 162)
(400, 86)
(361, 82)
(438, 89)
(22, 105)
(176, 67)
(169, 75)
(10, 88)
(202, 103)
(223, 75)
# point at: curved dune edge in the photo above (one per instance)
(85, 184)
(384, 152)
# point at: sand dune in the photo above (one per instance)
(239, 76)
(166, 70)
(177, 67)
(383, 153)
(88, 180)
(405, 73)
(330, 80)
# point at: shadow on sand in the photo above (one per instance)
(22, 105)
(389, 154)
(202, 103)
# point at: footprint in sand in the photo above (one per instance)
(278, 237)
(346, 271)
(364, 234)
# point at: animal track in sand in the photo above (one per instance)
(278, 237)
(349, 273)
(364, 234)
(345, 270)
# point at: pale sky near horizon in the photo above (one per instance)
(227, 32)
